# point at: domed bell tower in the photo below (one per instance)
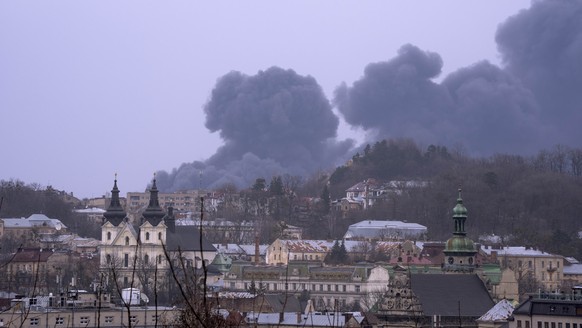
(459, 250)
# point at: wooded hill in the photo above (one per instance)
(528, 200)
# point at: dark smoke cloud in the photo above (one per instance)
(543, 47)
(533, 101)
(278, 122)
(494, 112)
(273, 123)
(397, 98)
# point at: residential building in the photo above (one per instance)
(330, 287)
(529, 262)
(548, 311)
(281, 251)
(31, 228)
(92, 214)
(33, 268)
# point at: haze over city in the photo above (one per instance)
(240, 90)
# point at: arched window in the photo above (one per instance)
(126, 241)
(159, 236)
(108, 235)
(108, 258)
(146, 259)
(159, 259)
(147, 236)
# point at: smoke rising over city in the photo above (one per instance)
(278, 122)
(273, 123)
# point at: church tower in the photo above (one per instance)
(115, 213)
(459, 250)
(154, 212)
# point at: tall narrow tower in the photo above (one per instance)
(459, 250)
(114, 213)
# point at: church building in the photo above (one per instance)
(455, 296)
(150, 254)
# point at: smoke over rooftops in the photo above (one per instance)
(278, 122)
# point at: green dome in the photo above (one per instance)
(459, 244)
(459, 210)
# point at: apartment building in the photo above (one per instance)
(330, 287)
(546, 268)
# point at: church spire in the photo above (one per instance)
(115, 213)
(154, 213)
(460, 216)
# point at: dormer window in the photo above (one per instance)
(159, 236)
(109, 235)
(147, 236)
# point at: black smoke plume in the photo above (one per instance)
(533, 101)
(278, 122)
(273, 123)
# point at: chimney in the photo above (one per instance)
(171, 221)
(257, 253)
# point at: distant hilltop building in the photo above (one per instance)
(370, 191)
(385, 230)
(36, 224)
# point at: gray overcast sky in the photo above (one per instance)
(93, 88)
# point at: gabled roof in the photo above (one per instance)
(500, 312)
(187, 238)
(451, 294)
(31, 255)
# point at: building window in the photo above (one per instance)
(275, 286)
(337, 288)
(357, 287)
(109, 319)
(530, 266)
(159, 259)
(527, 324)
(159, 236)
(59, 320)
(147, 236)
(126, 241)
(109, 235)
(133, 319)
(146, 259)
(84, 320)
(126, 260)
(518, 323)
(34, 321)
(329, 288)
(155, 318)
(344, 288)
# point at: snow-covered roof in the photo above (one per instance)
(573, 269)
(377, 228)
(500, 312)
(516, 251)
(92, 210)
(35, 220)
